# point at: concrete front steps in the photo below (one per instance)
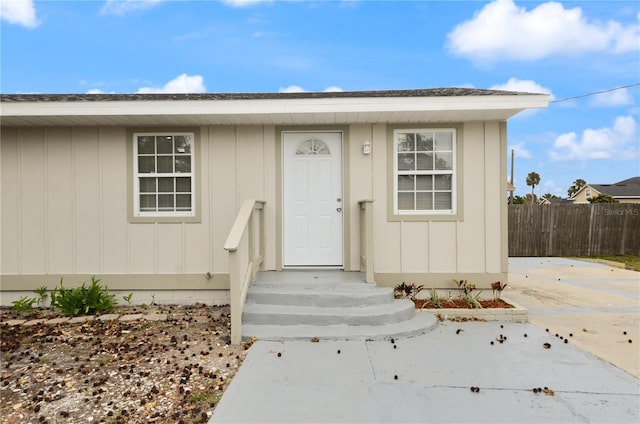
(329, 310)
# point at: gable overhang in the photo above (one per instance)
(269, 111)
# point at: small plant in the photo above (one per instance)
(152, 303)
(24, 305)
(127, 298)
(407, 291)
(202, 397)
(435, 301)
(497, 288)
(401, 290)
(84, 299)
(42, 295)
(466, 293)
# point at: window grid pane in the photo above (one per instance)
(424, 170)
(164, 170)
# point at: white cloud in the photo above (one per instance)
(501, 31)
(628, 38)
(614, 98)
(298, 89)
(182, 84)
(617, 142)
(520, 151)
(98, 91)
(333, 89)
(119, 7)
(525, 86)
(20, 12)
(291, 89)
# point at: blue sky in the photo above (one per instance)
(567, 49)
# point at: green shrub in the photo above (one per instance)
(42, 295)
(24, 305)
(84, 299)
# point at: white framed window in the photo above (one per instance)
(164, 174)
(424, 164)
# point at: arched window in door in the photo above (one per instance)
(313, 147)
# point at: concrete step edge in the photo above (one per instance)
(395, 305)
(294, 315)
(420, 324)
(319, 297)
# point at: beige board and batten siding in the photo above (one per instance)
(434, 250)
(66, 212)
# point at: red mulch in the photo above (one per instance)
(461, 304)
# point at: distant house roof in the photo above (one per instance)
(622, 189)
(340, 107)
(625, 189)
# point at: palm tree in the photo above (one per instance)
(533, 179)
(576, 186)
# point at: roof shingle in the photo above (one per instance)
(625, 188)
(430, 92)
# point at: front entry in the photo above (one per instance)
(312, 199)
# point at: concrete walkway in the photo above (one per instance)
(428, 378)
(571, 296)
(312, 382)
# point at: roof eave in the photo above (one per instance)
(494, 106)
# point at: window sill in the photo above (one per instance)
(164, 219)
(451, 217)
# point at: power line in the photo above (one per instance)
(595, 92)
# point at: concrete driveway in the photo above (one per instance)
(428, 378)
(595, 302)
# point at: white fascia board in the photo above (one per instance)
(273, 106)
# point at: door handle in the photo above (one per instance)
(339, 209)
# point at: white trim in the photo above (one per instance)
(453, 173)
(282, 111)
(136, 176)
(271, 106)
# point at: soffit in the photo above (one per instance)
(266, 111)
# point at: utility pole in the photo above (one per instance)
(512, 187)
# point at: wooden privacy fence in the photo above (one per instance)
(574, 230)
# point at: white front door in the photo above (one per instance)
(312, 198)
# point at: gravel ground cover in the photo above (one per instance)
(170, 364)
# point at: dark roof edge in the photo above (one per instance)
(430, 92)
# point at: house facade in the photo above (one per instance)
(625, 191)
(142, 190)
